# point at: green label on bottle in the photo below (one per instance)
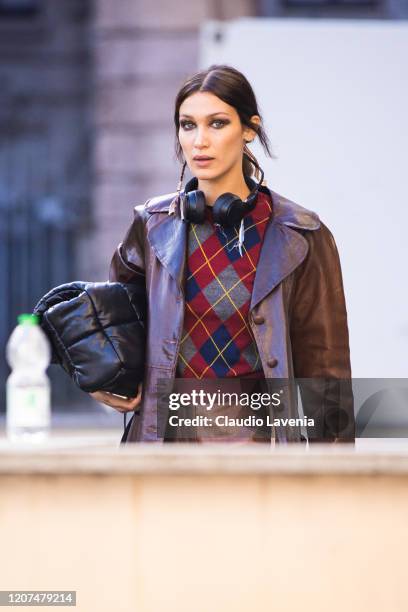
(28, 407)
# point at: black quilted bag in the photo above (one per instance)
(98, 333)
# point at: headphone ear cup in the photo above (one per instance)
(228, 210)
(194, 206)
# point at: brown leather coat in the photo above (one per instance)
(297, 313)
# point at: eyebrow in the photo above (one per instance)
(211, 115)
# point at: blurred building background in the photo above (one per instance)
(86, 98)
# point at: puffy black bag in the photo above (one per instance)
(97, 332)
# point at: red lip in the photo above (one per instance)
(202, 158)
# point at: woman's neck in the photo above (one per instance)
(233, 182)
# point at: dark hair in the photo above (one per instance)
(232, 87)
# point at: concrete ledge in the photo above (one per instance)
(96, 453)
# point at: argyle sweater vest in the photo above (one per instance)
(217, 341)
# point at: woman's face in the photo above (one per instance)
(211, 129)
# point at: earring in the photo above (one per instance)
(253, 160)
(172, 208)
(183, 169)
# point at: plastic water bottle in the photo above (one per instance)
(28, 389)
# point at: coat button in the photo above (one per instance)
(258, 319)
(271, 363)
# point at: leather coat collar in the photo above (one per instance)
(282, 251)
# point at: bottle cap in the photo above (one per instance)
(28, 319)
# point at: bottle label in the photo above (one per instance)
(28, 407)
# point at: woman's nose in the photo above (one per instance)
(201, 139)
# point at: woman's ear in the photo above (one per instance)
(249, 133)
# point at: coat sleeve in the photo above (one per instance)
(320, 341)
(128, 261)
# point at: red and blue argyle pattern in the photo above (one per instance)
(217, 341)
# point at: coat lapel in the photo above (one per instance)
(168, 237)
(283, 248)
(282, 251)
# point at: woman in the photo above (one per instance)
(251, 286)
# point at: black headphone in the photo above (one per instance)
(228, 209)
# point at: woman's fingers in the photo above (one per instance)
(119, 402)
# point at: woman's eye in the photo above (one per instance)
(220, 122)
(217, 123)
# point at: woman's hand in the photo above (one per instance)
(119, 402)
